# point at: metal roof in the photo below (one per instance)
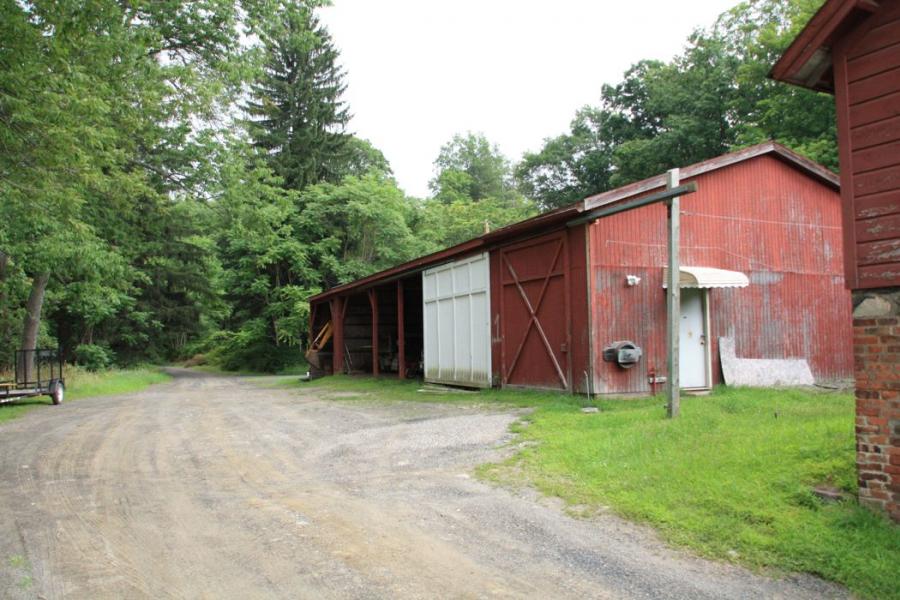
(708, 277)
(811, 168)
(561, 216)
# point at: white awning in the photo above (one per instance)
(708, 277)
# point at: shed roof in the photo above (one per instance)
(807, 61)
(801, 163)
(561, 216)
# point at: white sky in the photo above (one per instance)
(419, 71)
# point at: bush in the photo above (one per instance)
(250, 349)
(93, 357)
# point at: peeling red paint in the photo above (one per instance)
(761, 217)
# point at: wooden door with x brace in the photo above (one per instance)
(534, 318)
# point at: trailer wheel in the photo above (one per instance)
(57, 392)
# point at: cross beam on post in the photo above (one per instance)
(673, 297)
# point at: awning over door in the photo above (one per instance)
(708, 277)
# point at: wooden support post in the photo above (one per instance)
(401, 333)
(673, 297)
(337, 306)
(373, 301)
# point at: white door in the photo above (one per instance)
(693, 361)
(456, 310)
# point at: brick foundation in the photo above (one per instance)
(876, 344)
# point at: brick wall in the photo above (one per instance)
(876, 343)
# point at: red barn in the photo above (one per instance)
(851, 48)
(539, 303)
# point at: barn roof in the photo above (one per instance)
(807, 61)
(813, 169)
(561, 216)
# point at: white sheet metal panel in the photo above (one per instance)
(456, 308)
(707, 277)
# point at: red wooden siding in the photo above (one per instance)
(761, 217)
(539, 308)
(867, 92)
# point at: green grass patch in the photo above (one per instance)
(82, 384)
(353, 388)
(730, 479)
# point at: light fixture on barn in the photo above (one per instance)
(632, 280)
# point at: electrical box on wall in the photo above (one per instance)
(624, 353)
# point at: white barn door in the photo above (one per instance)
(457, 309)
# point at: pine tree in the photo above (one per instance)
(297, 115)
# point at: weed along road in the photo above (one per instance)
(219, 487)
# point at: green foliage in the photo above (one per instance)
(93, 357)
(469, 166)
(297, 115)
(571, 166)
(713, 98)
(357, 227)
(728, 479)
(473, 193)
(444, 224)
(103, 134)
(81, 383)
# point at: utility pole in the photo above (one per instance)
(673, 296)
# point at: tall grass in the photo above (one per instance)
(81, 384)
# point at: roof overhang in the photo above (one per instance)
(708, 277)
(807, 62)
(541, 223)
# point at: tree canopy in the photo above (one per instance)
(713, 98)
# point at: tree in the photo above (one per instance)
(713, 98)
(570, 166)
(362, 158)
(357, 227)
(297, 116)
(103, 113)
(266, 270)
(469, 166)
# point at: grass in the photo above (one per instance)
(730, 479)
(391, 389)
(214, 369)
(82, 384)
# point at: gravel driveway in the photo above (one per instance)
(216, 487)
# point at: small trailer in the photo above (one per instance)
(38, 373)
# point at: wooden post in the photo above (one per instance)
(337, 322)
(373, 301)
(673, 297)
(401, 333)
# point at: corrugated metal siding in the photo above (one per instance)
(456, 309)
(760, 217)
(867, 86)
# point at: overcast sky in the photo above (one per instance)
(419, 71)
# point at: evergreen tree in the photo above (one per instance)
(297, 115)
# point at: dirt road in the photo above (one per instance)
(212, 487)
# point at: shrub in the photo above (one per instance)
(94, 357)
